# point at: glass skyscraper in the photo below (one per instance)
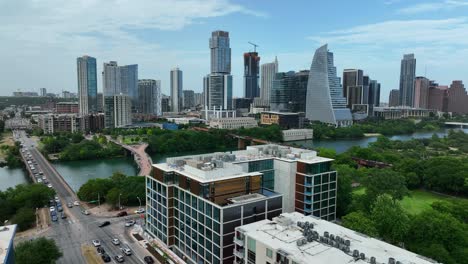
(220, 52)
(176, 90)
(407, 77)
(87, 84)
(268, 72)
(251, 71)
(289, 90)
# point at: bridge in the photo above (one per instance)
(458, 124)
(241, 140)
(142, 159)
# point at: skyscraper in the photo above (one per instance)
(268, 72)
(407, 77)
(421, 92)
(87, 84)
(289, 92)
(217, 86)
(394, 98)
(325, 101)
(149, 97)
(374, 94)
(457, 98)
(353, 89)
(43, 92)
(111, 81)
(100, 102)
(176, 90)
(188, 98)
(251, 71)
(129, 82)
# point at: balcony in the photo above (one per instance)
(239, 253)
(307, 193)
(238, 242)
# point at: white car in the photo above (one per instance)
(39, 180)
(76, 203)
(116, 241)
(140, 211)
(96, 243)
(49, 185)
(129, 223)
(52, 208)
(126, 251)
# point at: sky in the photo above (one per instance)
(41, 39)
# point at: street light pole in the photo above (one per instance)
(139, 201)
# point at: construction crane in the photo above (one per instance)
(255, 46)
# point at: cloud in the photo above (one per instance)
(446, 5)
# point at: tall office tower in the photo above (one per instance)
(325, 101)
(100, 102)
(438, 97)
(394, 98)
(149, 97)
(217, 86)
(111, 81)
(122, 110)
(268, 73)
(188, 99)
(129, 82)
(374, 94)
(251, 71)
(353, 86)
(457, 98)
(289, 91)
(165, 103)
(87, 84)
(176, 90)
(198, 98)
(407, 77)
(365, 89)
(43, 92)
(421, 92)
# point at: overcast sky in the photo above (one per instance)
(41, 39)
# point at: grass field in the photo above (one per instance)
(417, 201)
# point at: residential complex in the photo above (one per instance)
(268, 73)
(293, 238)
(87, 84)
(176, 90)
(251, 72)
(149, 97)
(407, 77)
(117, 110)
(67, 108)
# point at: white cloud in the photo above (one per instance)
(446, 5)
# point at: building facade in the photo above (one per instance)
(87, 84)
(233, 123)
(176, 90)
(438, 97)
(53, 123)
(117, 111)
(352, 78)
(421, 92)
(251, 73)
(325, 101)
(283, 119)
(149, 97)
(220, 51)
(407, 77)
(394, 98)
(43, 92)
(129, 82)
(188, 99)
(297, 134)
(67, 108)
(198, 98)
(268, 75)
(289, 92)
(7, 249)
(111, 81)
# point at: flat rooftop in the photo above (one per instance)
(7, 234)
(283, 233)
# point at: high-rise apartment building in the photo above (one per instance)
(188, 99)
(407, 77)
(394, 98)
(268, 74)
(117, 111)
(438, 97)
(111, 81)
(421, 92)
(198, 98)
(129, 82)
(352, 77)
(176, 90)
(325, 101)
(289, 91)
(457, 98)
(217, 86)
(87, 84)
(100, 102)
(374, 93)
(43, 92)
(251, 72)
(149, 97)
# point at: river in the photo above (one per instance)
(76, 173)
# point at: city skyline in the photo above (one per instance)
(374, 43)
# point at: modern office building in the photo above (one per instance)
(407, 77)
(268, 74)
(325, 101)
(241, 103)
(67, 108)
(421, 92)
(149, 97)
(293, 238)
(217, 86)
(289, 91)
(457, 98)
(165, 103)
(366, 82)
(195, 202)
(7, 251)
(233, 123)
(352, 78)
(176, 90)
(100, 102)
(198, 98)
(43, 92)
(394, 98)
(129, 82)
(87, 84)
(251, 73)
(438, 97)
(111, 81)
(188, 99)
(284, 119)
(374, 93)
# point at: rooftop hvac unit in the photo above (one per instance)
(300, 224)
(326, 234)
(373, 260)
(310, 238)
(356, 253)
(321, 239)
(299, 242)
(398, 262)
(347, 242)
(304, 241)
(347, 249)
(306, 224)
(332, 237)
(391, 261)
(362, 256)
(338, 239)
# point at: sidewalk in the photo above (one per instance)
(104, 210)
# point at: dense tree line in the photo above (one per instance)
(38, 251)
(19, 204)
(57, 142)
(12, 155)
(109, 190)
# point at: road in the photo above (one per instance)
(77, 228)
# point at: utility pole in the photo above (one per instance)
(255, 46)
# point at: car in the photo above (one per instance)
(52, 208)
(44, 178)
(85, 212)
(69, 205)
(101, 250)
(148, 260)
(51, 202)
(76, 203)
(96, 243)
(129, 223)
(116, 241)
(53, 213)
(126, 251)
(54, 218)
(122, 213)
(119, 258)
(63, 215)
(41, 173)
(105, 257)
(103, 224)
(59, 208)
(140, 211)
(39, 180)
(49, 185)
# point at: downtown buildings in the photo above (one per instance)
(87, 84)
(176, 90)
(251, 71)
(268, 75)
(149, 97)
(407, 77)
(289, 91)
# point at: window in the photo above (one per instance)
(269, 253)
(251, 244)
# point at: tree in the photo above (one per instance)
(345, 191)
(24, 218)
(446, 174)
(38, 251)
(391, 221)
(95, 188)
(113, 195)
(456, 208)
(359, 222)
(384, 181)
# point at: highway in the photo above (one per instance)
(78, 228)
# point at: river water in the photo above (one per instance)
(76, 173)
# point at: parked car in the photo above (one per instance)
(59, 208)
(101, 250)
(96, 243)
(140, 211)
(119, 258)
(53, 213)
(85, 212)
(122, 213)
(126, 251)
(52, 208)
(105, 257)
(129, 223)
(69, 205)
(54, 218)
(76, 203)
(103, 224)
(148, 260)
(116, 241)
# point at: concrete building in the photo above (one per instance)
(198, 98)
(289, 91)
(297, 134)
(352, 78)
(117, 111)
(176, 90)
(394, 98)
(52, 123)
(457, 98)
(209, 114)
(185, 120)
(251, 73)
(111, 80)
(188, 99)
(293, 238)
(43, 92)
(87, 84)
(399, 112)
(67, 108)
(92, 123)
(421, 92)
(149, 97)
(233, 123)
(7, 251)
(284, 119)
(100, 102)
(25, 94)
(165, 103)
(268, 73)
(407, 77)
(325, 101)
(241, 103)
(438, 97)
